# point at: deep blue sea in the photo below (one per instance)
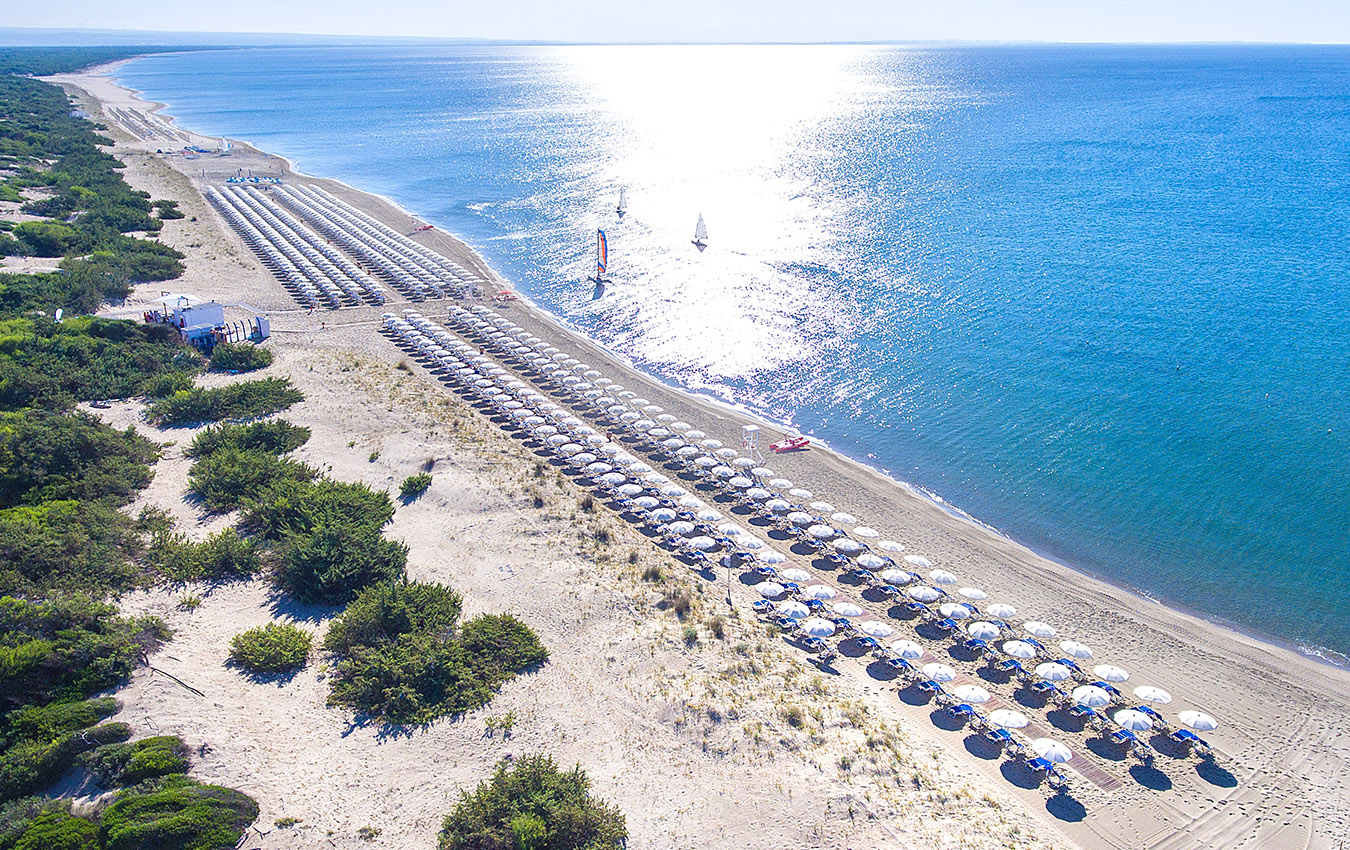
(1097, 297)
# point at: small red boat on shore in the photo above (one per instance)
(790, 444)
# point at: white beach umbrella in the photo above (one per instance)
(751, 543)
(1074, 649)
(868, 561)
(769, 589)
(740, 482)
(732, 530)
(682, 528)
(820, 532)
(597, 468)
(848, 546)
(983, 631)
(939, 672)
(777, 506)
(780, 484)
(694, 434)
(846, 609)
(1148, 693)
(1198, 720)
(558, 440)
(890, 546)
(907, 649)
(705, 462)
(645, 502)
(1001, 609)
(1135, 721)
(1051, 750)
(743, 463)
(820, 591)
(710, 445)
(1052, 672)
(1091, 696)
(876, 629)
(954, 610)
(758, 494)
(763, 472)
(817, 627)
(1038, 629)
(793, 609)
(866, 533)
(612, 479)
(701, 543)
(1006, 718)
(918, 561)
(800, 518)
(726, 453)
(795, 574)
(973, 593)
(679, 425)
(923, 593)
(821, 507)
(1110, 673)
(662, 515)
(691, 502)
(942, 577)
(771, 557)
(1019, 649)
(844, 518)
(686, 452)
(628, 491)
(709, 515)
(898, 577)
(973, 694)
(673, 491)
(799, 493)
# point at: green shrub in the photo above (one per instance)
(244, 400)
(223, 555)
(227, 477)
(274, 436)
(273, 648)
(17, 815)
(29, 766)
(47, 722)
(135, 762)
(44, 238)
(400, 658)
(414, 486)
(239, 357)
(49, 456)
(295, 507)
(163, 386)
(532, 805)
(176, 813)
(58, 830)
(333, 563)
(66, 547)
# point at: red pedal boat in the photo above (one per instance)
(790, 444)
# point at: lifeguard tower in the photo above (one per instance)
(750, 441)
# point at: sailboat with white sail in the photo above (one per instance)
(623, 201)
(700, 233)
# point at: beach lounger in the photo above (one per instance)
(949, 625)
(900, 665)
(868, 643)
(762, 606)
(975, 646)
(888, 590)
(928, 686)
(1192, 742)
(815, 606)
(962, 710)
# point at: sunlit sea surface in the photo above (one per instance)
(1095, 297)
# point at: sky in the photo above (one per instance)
(1314, 21)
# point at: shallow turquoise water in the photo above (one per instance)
(1095, 297)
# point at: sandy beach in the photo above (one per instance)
(691, 742)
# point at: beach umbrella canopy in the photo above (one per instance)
(942, 577)
(646, 502)
(663, 515)
(868, 561)
(706, 462)
(907, 649)
(709, 515)
(780, 484)
(681, 527)
(672, 443)
(973, 593)
(691, 502)
(612, 479)
(1036, 628)
(1135, 721)
(777, 506)
(918, 561)
(1052, 672)
(727, 453)
(748, 542)
(847, 609)
(701, 543)
(711, 444)
(983, 631)
(866, 532)
(740, 482)
(888, 576)
(694, 434)
(924, 593)
(973, 694)
(800, 518)
(848, 545)
(793, 609)
(1198, 720)
(876, 629)
(771, 557)
(1149, 693)
(769, 589)
(1091, 696)
(795, 574)
(816, 627)
(820, 591)
(731, 530)
(673, 491)
(1019, 649)
(821, 507)
(1001, 609)
(799, 493)
(954, 610)
(1110, 673)
(1006, 718)
(759, 494)
(1051, 750)
(844, 518)
(686, 452)
(939, 672)
(629, 490)
(820, 532)
(1074, 649)
(763, 472)
(743, 463)
(598, 468)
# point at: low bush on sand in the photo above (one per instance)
(244, 400)
(414, 486)
(273, 648)
(239, 357)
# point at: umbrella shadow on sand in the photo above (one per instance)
(1216, 775)
(1064, 807)
(1150, 777)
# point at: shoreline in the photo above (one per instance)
(1311, 651)
(919, 507)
